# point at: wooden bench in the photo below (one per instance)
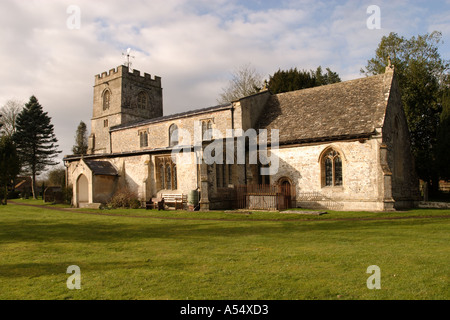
(176, 200)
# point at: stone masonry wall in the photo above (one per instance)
(302, 166)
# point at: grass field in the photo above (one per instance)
(146, 254)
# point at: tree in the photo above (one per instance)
(57, 177)
(443, 136)
(294, 79)
(81, 140)
(420, 70)
(8, 114)
(35, 140)
(245, 81)
(9, 165)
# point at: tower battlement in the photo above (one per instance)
(123, 71)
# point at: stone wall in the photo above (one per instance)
(405, 183)
(127, 139)
(361, 175)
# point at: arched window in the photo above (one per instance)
(331, 169)
(173, 135)
(166, 177)
(106, 99)
(142, 100)
(207, 130)
(174, 172)
(161, 175)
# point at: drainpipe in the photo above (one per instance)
(110, 142)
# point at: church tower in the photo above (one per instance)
(121, 97)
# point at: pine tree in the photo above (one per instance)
(81, 140)
(35, 140)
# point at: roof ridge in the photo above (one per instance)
(332, 84)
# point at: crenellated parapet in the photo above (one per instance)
(123, 71)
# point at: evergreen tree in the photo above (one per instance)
(9, 166)
(294, 79)
(443, 137)
(35, 140)
(81, 140)
(420, 70)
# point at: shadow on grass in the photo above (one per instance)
(112, 231)
(39, 269)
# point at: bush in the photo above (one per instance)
(14, 194)
(124, 198)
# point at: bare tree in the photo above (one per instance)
(245, 81)
(9, 113)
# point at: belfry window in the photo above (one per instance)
(106, 99)
(142, 100)
(331, 169)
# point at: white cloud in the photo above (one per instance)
(192, 45)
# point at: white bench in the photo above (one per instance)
(176, 199)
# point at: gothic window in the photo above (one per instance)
(142, 100)
(331, 169)
(106, 99)
(174, 174)
(166, 173)
(161, 176)
(143, 139)
(173, 135)
(168, 177)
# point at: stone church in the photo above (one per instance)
(343, 146)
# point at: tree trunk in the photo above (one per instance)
(33, 185)
(6, 195)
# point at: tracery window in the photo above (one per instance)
(166, 174)
(331, 169)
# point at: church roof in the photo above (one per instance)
(347, 109)
(101, 168)
(172, 116)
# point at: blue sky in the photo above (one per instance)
(193, 45)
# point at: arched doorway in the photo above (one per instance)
(286, 191)
(82, 189)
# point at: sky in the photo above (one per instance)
(54, 49)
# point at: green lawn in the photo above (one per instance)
(146, 254)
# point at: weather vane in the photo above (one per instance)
(128, 63)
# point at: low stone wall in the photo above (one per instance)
(434, 205)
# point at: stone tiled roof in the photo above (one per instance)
(348, 109)
(101, 168)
